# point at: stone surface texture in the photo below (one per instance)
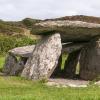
(24, 51)
(71, 47)
(90, 60)
(13, 66)
(44, 58)
(69, 30)
(10, 62)
(68, 23)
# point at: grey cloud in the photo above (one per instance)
(19, 9)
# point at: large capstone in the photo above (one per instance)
(70, 31)
(90, 60)
(44, 58)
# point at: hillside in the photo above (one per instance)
(90, 19)
(19, 27)
(24, 26)
(7, 28)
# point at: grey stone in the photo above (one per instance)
(18, 68)
(71, 47)
(13, 66)
(90, 60)
(25, 51)
(44, 58)
(70, 31)
(57, 71)
(10, 62)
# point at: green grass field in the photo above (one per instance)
(16, 88)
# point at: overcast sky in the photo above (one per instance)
(19, 9)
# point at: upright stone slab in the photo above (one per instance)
(71, 63)
(44, 58)
(17, 68)
(90, 60)
(12, 66)
(10, 62)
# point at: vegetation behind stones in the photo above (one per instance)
(9, 42)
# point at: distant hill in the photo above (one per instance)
(13, 27)
(90, 19)
(26, 25)
(6, 28)
(29, 22)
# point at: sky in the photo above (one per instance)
(44, 9)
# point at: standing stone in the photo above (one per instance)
(10, 62)
(71, 63)
(13, 66)
(44, 58)
(90, 60)
(18, 67)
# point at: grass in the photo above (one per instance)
(9, 42)
(64, 57)
(16, 88)
(1, 61)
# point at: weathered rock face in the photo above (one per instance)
(17, 68)
(70, 31)
(24, 51)
(71, 63)
(10, 62)
(90, 60)
(57, 71)
(13, 66)
(44, 58)
(71, 47)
